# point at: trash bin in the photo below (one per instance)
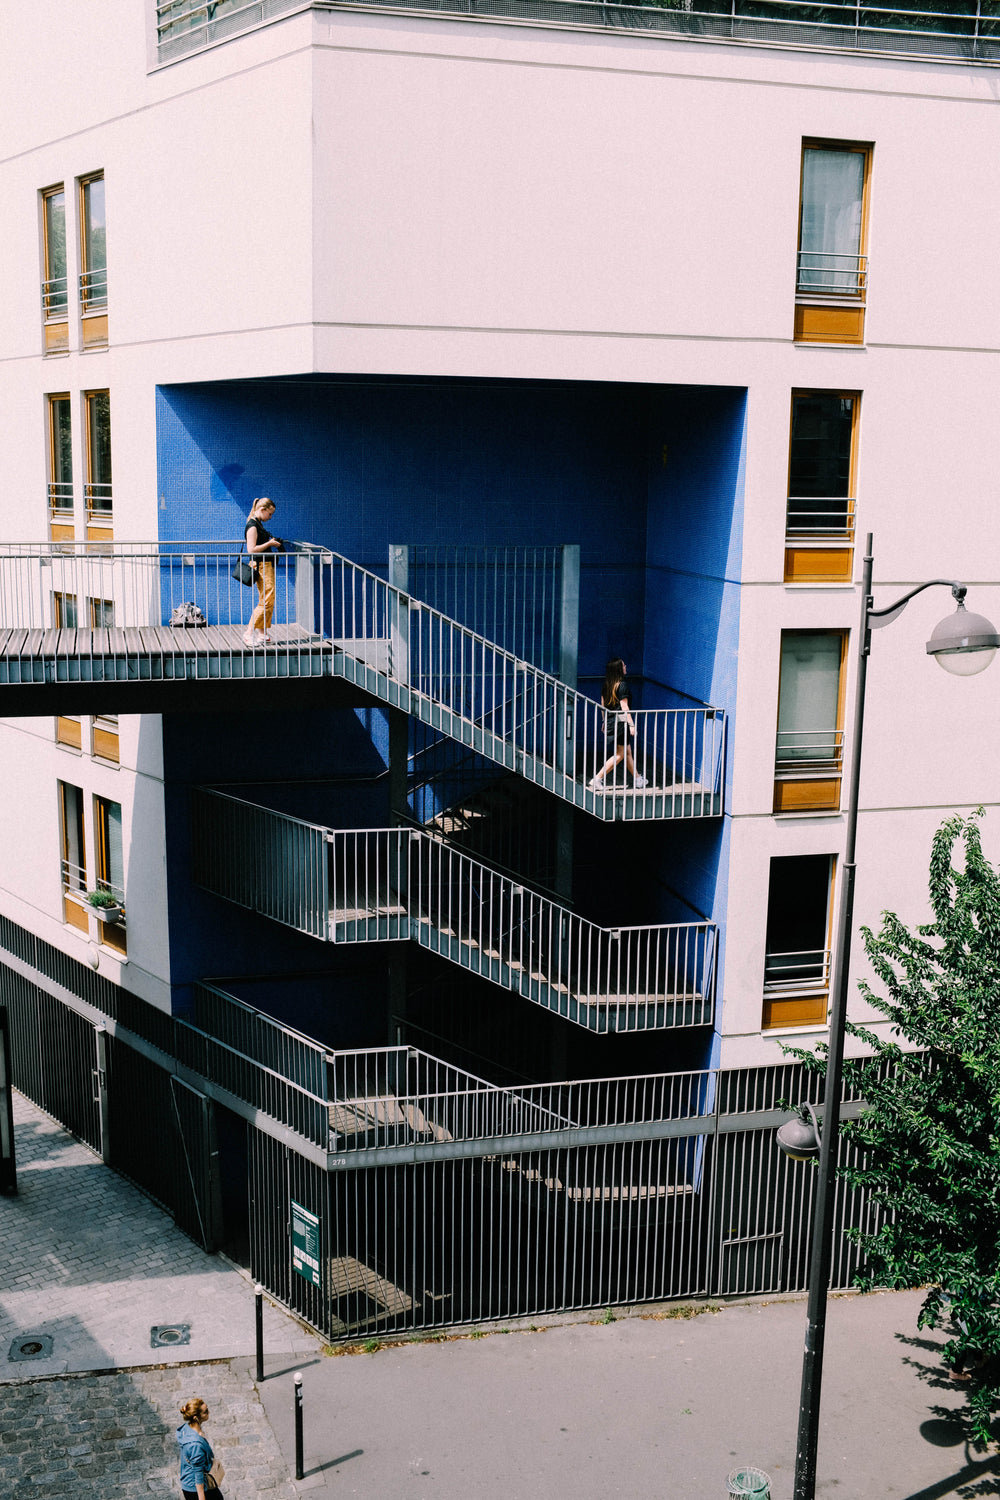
(747, 1481)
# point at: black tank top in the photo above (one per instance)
(263, 535)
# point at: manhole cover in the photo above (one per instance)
(31, 1346)
(166, 1335)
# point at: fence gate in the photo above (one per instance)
(198, 1205)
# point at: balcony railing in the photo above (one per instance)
(334, 618)
(55, 299)
(804, 752)
(819, 518)
(61, 501)
(392, 884)
(98, 501)
(94, 289)
(824, 273)
(797, 973)
(967, 32)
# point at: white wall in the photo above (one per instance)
(362, 193)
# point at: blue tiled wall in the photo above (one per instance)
(648, 480)
(358, 465)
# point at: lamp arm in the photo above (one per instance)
(959, 591)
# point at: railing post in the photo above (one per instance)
(399, 613)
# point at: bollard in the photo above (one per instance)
(299, 1474)
(258, 1292)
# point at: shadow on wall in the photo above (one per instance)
(695, 538)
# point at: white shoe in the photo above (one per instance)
(253, 638)
(639, 781)
(595, 784)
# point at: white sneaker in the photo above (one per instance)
(253, 638)
(639, 781)
(595, 784)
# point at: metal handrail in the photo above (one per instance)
(850, 270)
(60, 498)
(74, 876)
(55, 299)
(808, 968)
(392, 884)
(98, 499)
(828, 516)
(94, 289)
(333, 617)
(803, 750)
(970, 36)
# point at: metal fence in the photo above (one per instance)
(440, 1198)
(332, 617)
(510, 595)
(969, 31)
(392, 884)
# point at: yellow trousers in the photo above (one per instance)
(261, 617)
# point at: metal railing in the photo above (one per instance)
(808, 969)
(60, 500)
(831, 273)
(826, 518)
(55, 299)
(333, 617)
(74, 876)
(968, 32)
(94, 289)
(803, 752)
(393, 884)
(98, 500)
(510, 595)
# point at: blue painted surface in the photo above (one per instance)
(358, 465)
(648, 480)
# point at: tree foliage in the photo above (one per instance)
(929, 1136)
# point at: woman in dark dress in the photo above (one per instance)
(619, 725)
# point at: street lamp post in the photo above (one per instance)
(964, 644)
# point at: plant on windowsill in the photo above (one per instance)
(106, 905)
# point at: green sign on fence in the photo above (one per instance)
(305, 1243)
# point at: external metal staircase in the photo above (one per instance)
(92, 620)
(393, 884)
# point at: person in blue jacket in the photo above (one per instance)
(196, 1453)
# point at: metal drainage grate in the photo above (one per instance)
(167, 1335)
(31, 1346)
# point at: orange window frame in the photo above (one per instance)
(811, 792)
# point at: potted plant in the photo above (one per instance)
(107, 905)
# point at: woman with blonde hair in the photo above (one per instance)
(197, 1457)
(261, 547)
(619, 725)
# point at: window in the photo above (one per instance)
(797, 945)
(832, 276)
(105, 737)
(810, 739)
(819, 525)
(55, 286)
(110, 864)
(108, 833)
(64, 611)
(60, 497)
(93, 261)
(101, 613)
(69, 731)
(97, 489)
(74, 859)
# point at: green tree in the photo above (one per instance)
(929, 1136)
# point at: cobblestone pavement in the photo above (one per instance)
(88, 1261)
(112, 1435)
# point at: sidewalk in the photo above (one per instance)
(655, 1407)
